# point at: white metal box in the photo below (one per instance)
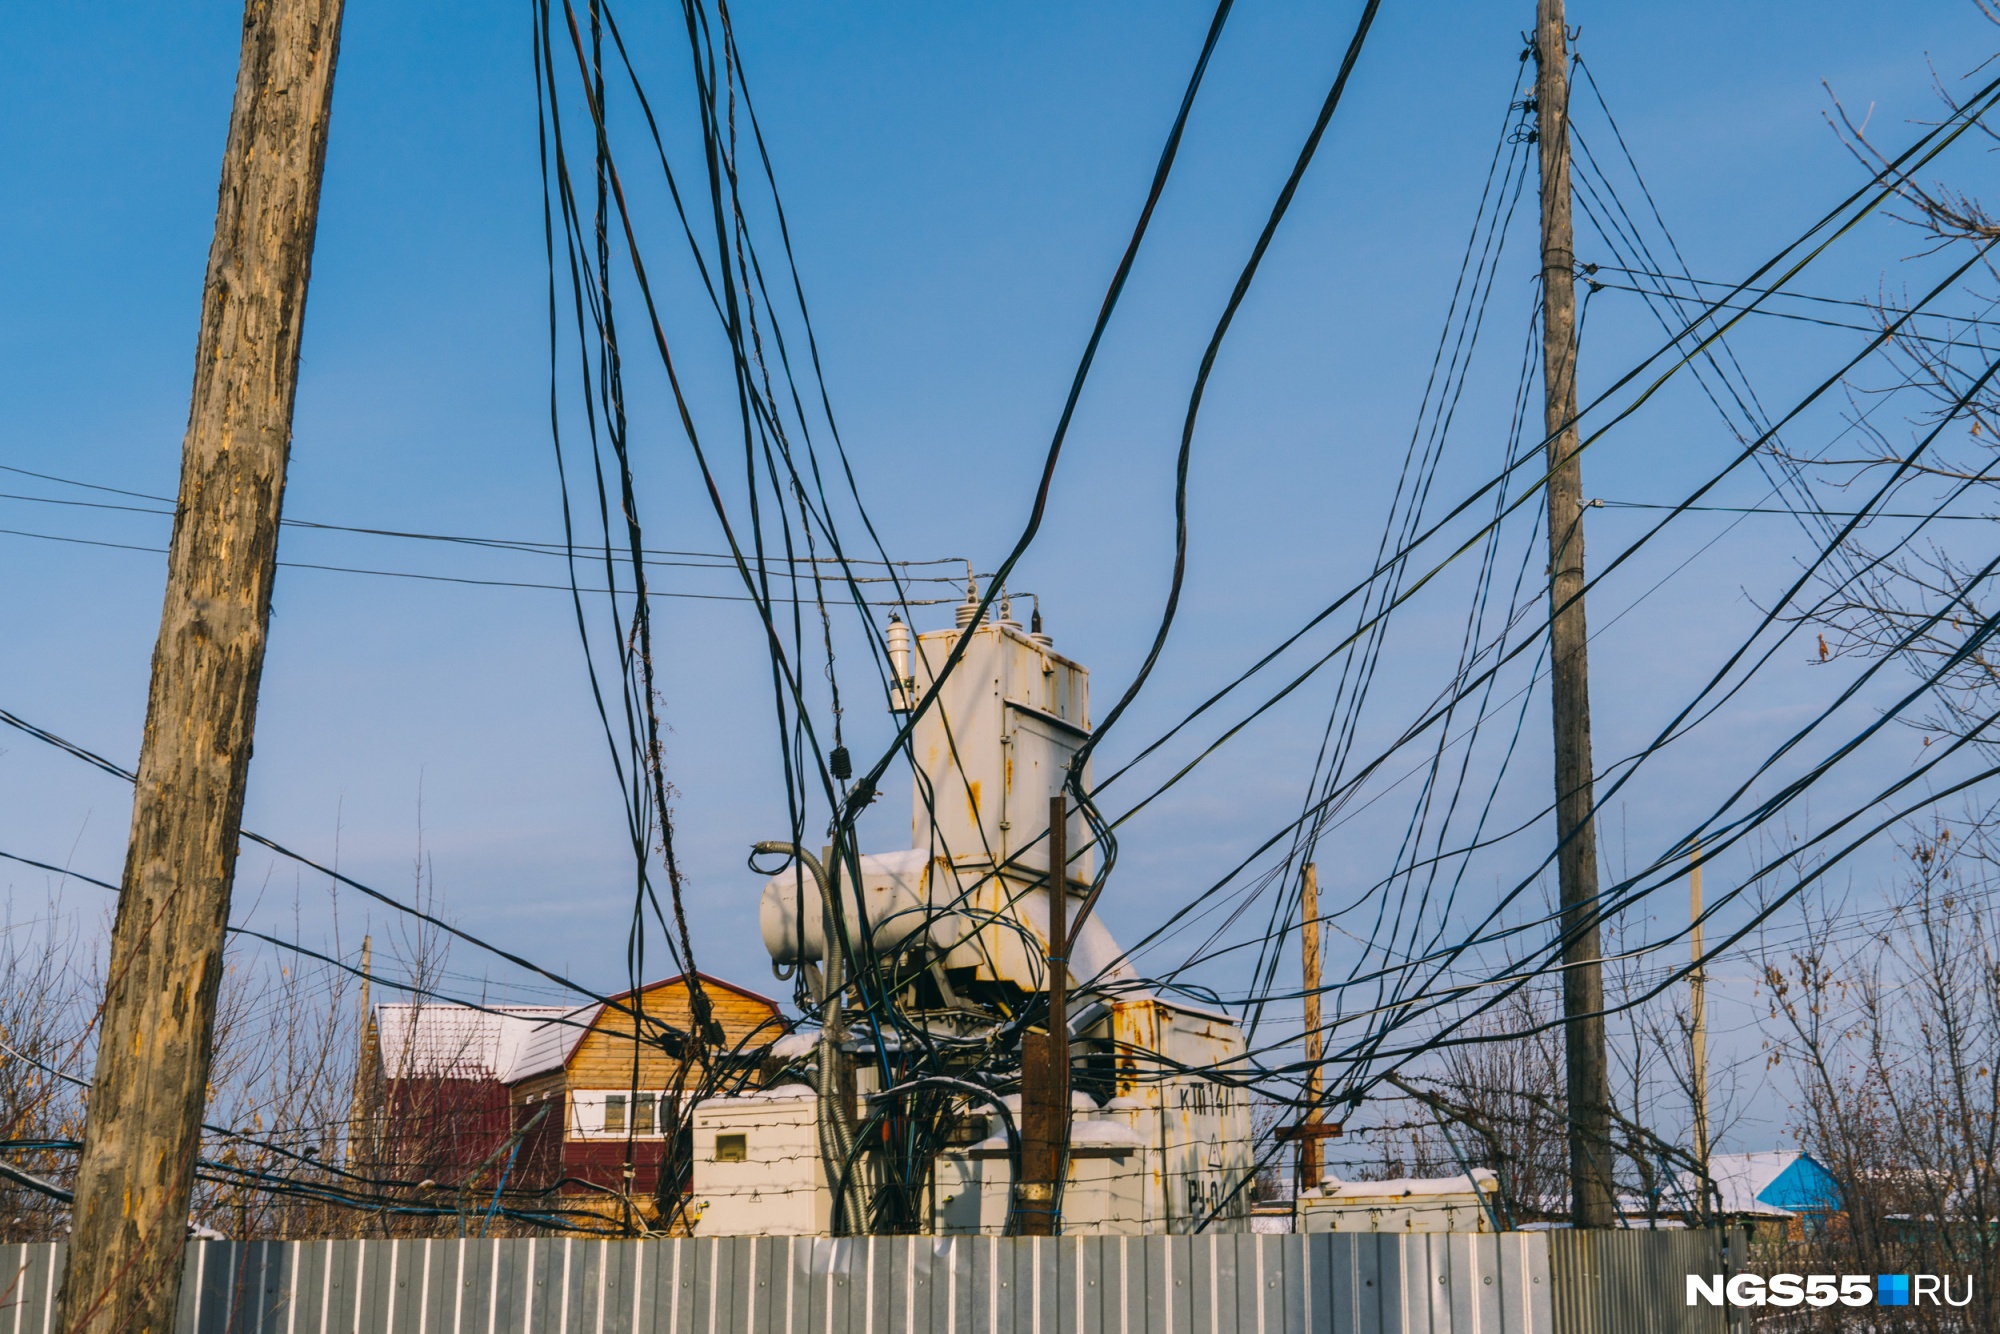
(757, 1166)
(1420, 1204)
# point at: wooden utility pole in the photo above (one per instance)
(1592, 1201)
(1313, 1126)
(1698, 1017)
(1045, 1060)
(1311, 1153)
(142, 1134)
(359, 1150)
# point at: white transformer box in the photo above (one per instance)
(1161, 1138)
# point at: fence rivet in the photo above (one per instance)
(1489, 1280)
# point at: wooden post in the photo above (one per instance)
(1592, 1198)
(1698, 1019)
(143, 1131)
(1311, 1152)
(1045, 1059)
(359, 1149)
(1059, 944)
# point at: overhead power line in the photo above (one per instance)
(488, 583)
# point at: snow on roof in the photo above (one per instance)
(1079, 1101)
(1096, 1132)
(792, 1046)
(1407, 1187)
(1742, 1179)
(547, 1045)
(424, 1041)
(1104, 1130)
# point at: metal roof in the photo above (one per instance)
(423, 1041)
(508, 1043)
(1745, 1180)
(547, 1045)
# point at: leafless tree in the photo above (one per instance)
(1928, 601)
(43, 1026)
(1496, 1104)
(1889, 1022)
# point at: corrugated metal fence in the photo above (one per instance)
(1635, 1282)
(1617, 1282)
(1336, 1283)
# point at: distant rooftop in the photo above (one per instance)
(508, 1043)
(442, 1041)
(1780, 1182)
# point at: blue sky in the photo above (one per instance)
(959, 181)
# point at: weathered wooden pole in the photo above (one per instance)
(1592, 1199)
(359, 1150)
(1311, 1151)
(1045, 1060)
(142, 1134)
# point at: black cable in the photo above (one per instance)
(429, 919)
(1920, 153)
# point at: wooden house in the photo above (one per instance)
(547, 1100)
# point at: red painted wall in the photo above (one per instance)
(443, 1130)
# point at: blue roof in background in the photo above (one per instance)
(1804, 1187)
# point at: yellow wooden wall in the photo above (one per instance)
(603, 1060)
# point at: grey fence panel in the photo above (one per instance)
(1370, 1280)
(763, 1281)
(413, 1286)
(374, 1275)
(1117, 1302)
(1633, 1282)
(28, 1278)
(1241, 1304)
(951, 1285)
(1327, 1283)
(479, 1288)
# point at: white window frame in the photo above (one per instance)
(586, 1114)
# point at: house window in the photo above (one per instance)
(732, 1148)
(601, 1114)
